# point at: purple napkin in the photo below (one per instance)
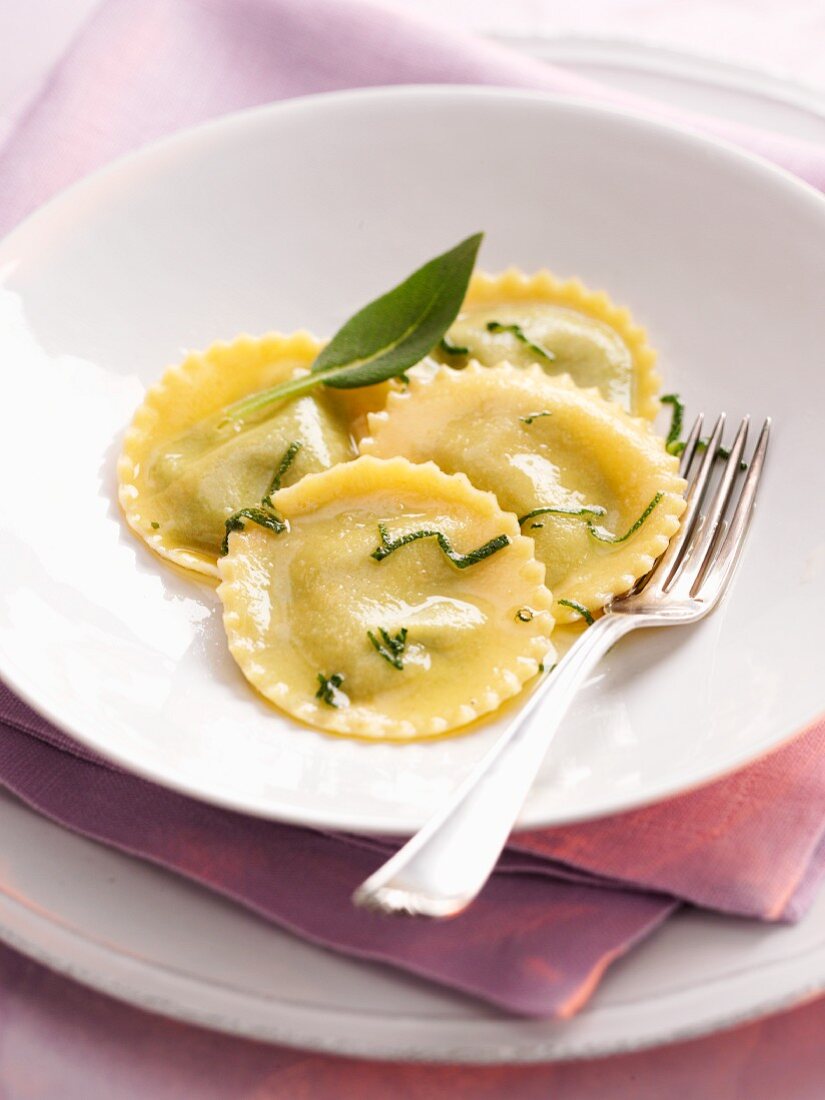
(563, 903)
(534, 943)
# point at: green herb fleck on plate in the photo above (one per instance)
(673, 443)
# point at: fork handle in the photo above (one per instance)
(444, 866)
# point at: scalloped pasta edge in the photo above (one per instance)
(173, 387)
(665, 518)
(316, 490)
(543, 285)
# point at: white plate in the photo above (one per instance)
(152, 939)
(295, 215)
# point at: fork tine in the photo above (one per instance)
(713, 582)
(688, 451)
(691, 443)
(672, 557)
(702, 545)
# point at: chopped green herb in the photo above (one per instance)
(721, 452)
(391, 649)
(586, 513)
(286, 461)
(588, 510)
(605, 536)
(264, 518)
(533, 416)
(581, 609)
(550, 669)
(386, 337)
(328, 690)
(461, 561)
(524, 615)
(673, 443)
(155, 525)
(452, 349)
(521, 336)
(534, 526)
(541, 666)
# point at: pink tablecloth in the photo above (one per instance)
(66, 1043)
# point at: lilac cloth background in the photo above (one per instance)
(142, 70)
(750, 844)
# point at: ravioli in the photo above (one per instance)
(397, 603)
(186, 466)
(562, 327)
(593, 487)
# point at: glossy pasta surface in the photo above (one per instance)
(349, 624)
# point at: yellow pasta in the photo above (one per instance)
(186, 466)
(398, 602)
(562, 327)
(592, 486)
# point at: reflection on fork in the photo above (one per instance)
(444, 866)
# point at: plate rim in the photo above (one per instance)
(210, 131)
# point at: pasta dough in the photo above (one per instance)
(579, 473)
(561, 326)
(345, 621)
(186, 466)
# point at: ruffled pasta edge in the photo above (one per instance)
(640, 553)
(173, 391)
(543, 285)
(361, 476)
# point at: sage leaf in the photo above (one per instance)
(388, 336)
(396, 331)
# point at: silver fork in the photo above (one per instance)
(444, 866)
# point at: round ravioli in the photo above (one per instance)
(395, 603)
(591, 485)
(187, 467)
(562, 327)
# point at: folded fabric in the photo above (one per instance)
(532, 944)
(752, 844)
(139, 71)
(563, 903)
(554, 915)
